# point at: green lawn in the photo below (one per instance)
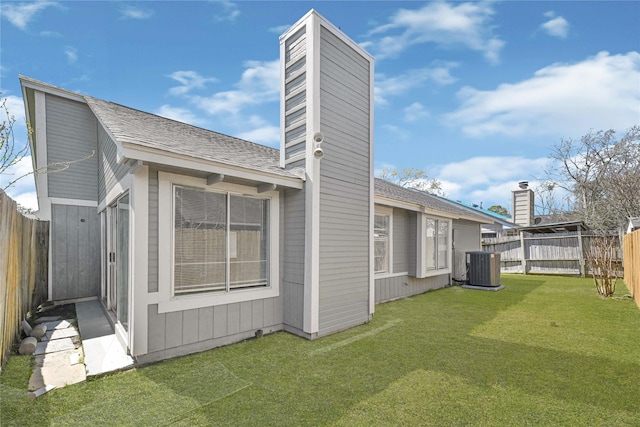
(544, 351)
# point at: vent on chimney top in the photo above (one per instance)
(523, 185)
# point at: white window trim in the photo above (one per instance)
(167, 302)
(379, 210)
(421, 250)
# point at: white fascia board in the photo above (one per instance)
(383, 201)
(151, 155)
(28, 82)
(414, 207)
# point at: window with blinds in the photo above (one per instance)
(437, 244)
(381, 243)
(221, 241)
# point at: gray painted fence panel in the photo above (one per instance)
(557, 253)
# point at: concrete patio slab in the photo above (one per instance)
(62, 333)
(102, 351)
(57, 370)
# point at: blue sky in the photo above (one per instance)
(475, 93)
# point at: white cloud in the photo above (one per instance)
(488, 180)
(28, 200)
(21, 14)
(397, 132)
(556, 26)
(415, 112)
(51, 34)
(130, 12)
(440, 73)
(21, 173)
(15, 107)
(266, 135)
(190, 80)
(442, 23)
(601, 92)
(259, 84)
(279, 29)
(229, 11)
(71, 53)
(179, 114)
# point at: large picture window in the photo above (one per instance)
(221, 241)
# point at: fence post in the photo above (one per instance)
(524, 253)
(581, 253)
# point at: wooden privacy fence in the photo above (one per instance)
(552, 253)
(24, 249)
(631, 244)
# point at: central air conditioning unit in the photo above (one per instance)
(483, 269)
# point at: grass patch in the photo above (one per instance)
(544, 351)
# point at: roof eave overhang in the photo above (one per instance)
(136, 152)
(386, 201)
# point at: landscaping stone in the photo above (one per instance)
(28, 346)
(39, 331)
(26, 327)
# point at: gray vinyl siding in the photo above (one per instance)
(183, 332)
(109, 171)
(345, 176)
(400, 237)
(295, 114)
(293, 235)
(466, 236)
(75, 252)
(72, 135)
(153, 231)
(391, 288)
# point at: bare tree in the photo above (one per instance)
(601, 256)
(601, 173)
(413, 178)
(11, 152)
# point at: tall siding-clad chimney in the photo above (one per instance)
(326, 118)
(523, 204)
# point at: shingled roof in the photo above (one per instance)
(148, 130)
(395, 192)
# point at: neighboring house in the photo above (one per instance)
(193, 239)
(634, 224)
